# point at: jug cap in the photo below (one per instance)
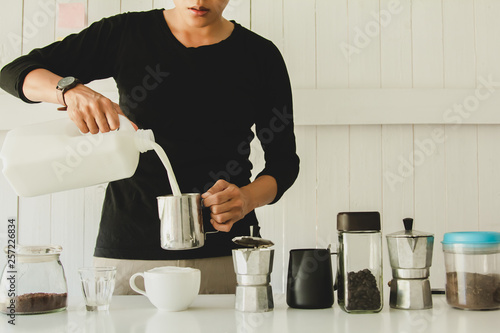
(409, 232)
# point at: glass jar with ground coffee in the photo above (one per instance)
(472, 261)
(33, 281)
(359, 278)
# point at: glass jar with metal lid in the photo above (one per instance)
(33, 281)
(360, 262)
(472, 261)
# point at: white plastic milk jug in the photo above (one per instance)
(55, 156)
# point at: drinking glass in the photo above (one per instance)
(98, 284)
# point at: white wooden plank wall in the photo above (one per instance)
(445, 176)
(395, 72)
(332, 143)
(486, 23)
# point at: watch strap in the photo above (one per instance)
(60, 97)
(60, 91)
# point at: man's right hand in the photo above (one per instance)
(91, 111)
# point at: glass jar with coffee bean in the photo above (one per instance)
(360, 262)
(472, 261)
(33, 281)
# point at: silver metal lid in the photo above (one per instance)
(409, 232)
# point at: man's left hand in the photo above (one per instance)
(228, 204)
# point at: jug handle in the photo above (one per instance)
(121, 118)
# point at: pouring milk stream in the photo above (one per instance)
(170, 172)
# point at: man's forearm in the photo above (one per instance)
(40, 86)
(261, 191)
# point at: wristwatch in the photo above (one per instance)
(64, 85)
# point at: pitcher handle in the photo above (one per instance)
(210, 232)
(134, 286)
(207, 232)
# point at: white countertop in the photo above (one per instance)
(215, 313)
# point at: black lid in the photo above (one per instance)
(358, 221)
(249, 241)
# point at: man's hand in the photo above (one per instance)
(228, 204)
(91, 111)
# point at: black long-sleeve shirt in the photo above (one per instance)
(200, 103)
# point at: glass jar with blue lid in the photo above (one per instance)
(472, 261)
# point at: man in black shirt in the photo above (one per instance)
(200, 82)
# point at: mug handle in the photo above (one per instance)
(335, 285)
(134, 286)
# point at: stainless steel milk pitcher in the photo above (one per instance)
(181, 221)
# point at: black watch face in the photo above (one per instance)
(67, 81)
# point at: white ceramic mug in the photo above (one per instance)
(169, 288)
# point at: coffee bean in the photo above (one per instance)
(473, 290)
(36, 303)
(362, 291)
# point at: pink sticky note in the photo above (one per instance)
(71, 16)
